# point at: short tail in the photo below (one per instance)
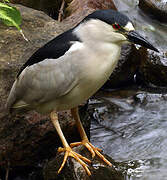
(13, 100)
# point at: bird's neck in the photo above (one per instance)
(107, 56)
(102, 58)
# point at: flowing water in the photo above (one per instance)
(133, 129)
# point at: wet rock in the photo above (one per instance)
(73, 170)
(153, 68)
(155, 8)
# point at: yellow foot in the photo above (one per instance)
(92, 149)
(69, 152)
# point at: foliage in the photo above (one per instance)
(10, 15)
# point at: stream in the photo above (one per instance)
(132, 128)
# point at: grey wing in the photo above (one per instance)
(43, 82)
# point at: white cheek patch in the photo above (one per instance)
(129, 27)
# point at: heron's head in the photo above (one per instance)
(111, 26)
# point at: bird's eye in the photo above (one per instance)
(116, 26)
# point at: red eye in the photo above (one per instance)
(116, 26)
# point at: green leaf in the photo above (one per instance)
(6, 1)
(10, 15)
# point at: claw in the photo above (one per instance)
(94, 150)
(69, 152)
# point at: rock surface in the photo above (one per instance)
(155, 8)
(73, 170)
(153, 68)
(78, 9)
(71, 7)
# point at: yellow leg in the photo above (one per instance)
(84, 138)
(67, 149)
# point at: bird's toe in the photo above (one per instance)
(69, 152)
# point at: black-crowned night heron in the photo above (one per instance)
(72, 67)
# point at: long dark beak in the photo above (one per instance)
(136, 38)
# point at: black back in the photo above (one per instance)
(53, 49)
